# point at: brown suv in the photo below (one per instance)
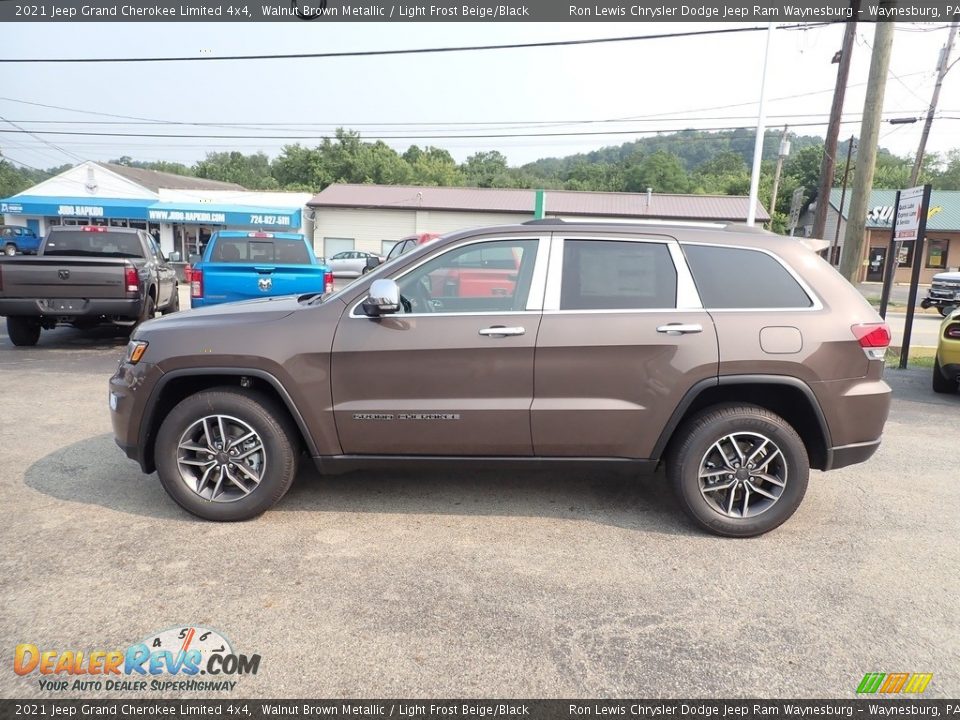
(738, 358)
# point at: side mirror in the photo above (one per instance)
(174, 257)
(384, 298)
(372, 262)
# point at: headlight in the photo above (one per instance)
(135, 351)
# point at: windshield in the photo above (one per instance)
(83, 243)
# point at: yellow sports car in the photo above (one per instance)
(946, 365)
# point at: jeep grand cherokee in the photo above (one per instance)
(737, 358)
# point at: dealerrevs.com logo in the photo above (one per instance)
(179, 659)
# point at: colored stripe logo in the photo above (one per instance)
(893, 683)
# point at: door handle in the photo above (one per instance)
(501, 331)
(680, 328)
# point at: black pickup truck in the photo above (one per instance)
(86, 276)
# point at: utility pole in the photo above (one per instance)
(761, 132)
(783, 152)
(843, 197)
(829, 161)
(942, 68)
(855, 235)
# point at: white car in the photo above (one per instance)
(352, 263)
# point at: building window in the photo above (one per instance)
(937, 254)
(332, 246)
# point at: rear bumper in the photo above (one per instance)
(32, 307)
(839, 457)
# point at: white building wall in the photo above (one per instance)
(368, 228)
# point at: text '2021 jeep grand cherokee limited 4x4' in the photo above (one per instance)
(738, 358)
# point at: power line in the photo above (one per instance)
(69, 154)
(634, 131)
(416, 51)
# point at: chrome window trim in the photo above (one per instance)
(687, 298)
(816, 303)
(536, 284)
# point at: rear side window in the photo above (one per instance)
(742, 278)
(617, 275)
(277, 250)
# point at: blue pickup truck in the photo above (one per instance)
(239, 265)
(15, 239)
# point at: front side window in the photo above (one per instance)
(733, 278)
(486, 277)
(617, 275)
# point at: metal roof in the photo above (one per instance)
(559, 202)
(153, 180)
(943, 216)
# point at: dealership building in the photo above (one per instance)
(181, 212)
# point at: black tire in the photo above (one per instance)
(693, 444)
(268, 419)
(148, 310)
(940, 383)
(10, 250)
(944, 311)
(23, 331)
(174, 305)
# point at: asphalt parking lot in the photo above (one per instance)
(476, 584)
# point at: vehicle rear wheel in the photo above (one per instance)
(738, 470)
(23, 331)
(227, 455)
(940, 383)
(174, 305)
(10, 250)
(148, 311)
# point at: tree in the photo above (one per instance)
(487, 169)
(250, 171)
(661, 171)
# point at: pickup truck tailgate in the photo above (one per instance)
(86, 278)
(227, 282)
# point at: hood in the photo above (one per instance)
(245, 312)
(947, 277)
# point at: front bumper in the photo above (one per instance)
(129, 390)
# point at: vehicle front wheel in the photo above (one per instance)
(226, 455)
(738, 470)
(944, 311)
(10, 250)
(23, 331)
(940, 383)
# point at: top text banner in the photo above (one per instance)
(802, 11)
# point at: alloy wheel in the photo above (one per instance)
(742, 475)
(221, 458)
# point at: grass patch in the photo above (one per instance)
(918, 358)
(875, 301)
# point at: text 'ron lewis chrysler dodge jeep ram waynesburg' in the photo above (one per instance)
(738, 358)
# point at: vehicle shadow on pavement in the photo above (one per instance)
(640, 502)
(94, 472)
(70, 338)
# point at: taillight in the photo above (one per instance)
(952, 331)
(187, 273)
(328, 281)
(874, 338)
(132, 280)
(196, 283)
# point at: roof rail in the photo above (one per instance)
(546, 221)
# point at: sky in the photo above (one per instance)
(660, 84)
